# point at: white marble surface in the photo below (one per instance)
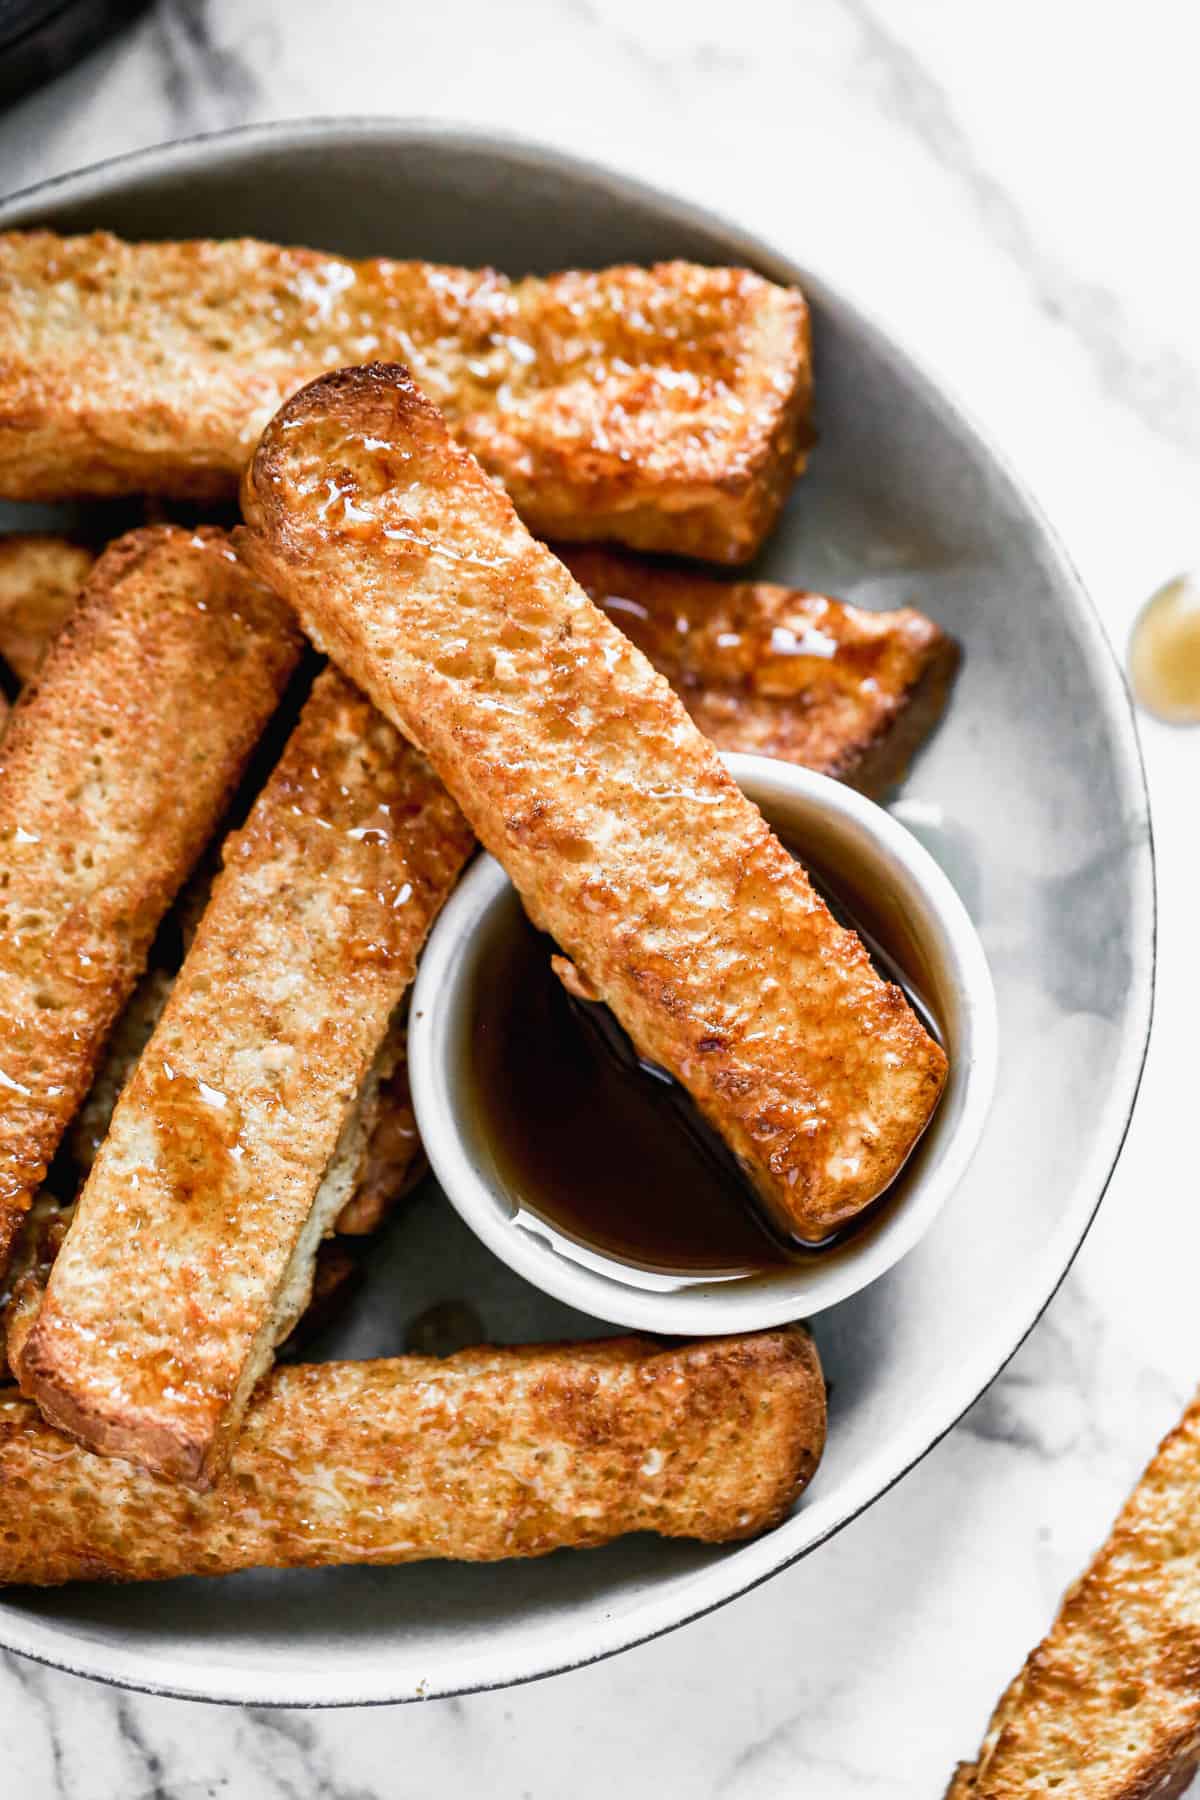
(1012, 187)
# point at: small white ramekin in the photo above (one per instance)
(845, 836)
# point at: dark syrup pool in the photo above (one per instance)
(606, 1155)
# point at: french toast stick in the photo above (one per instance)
(235, 1143)
(393, 1158)
(665, 408)
(41, 577)
(391, 1161)
(23, 1282)
(487, 1454)
(1108, 1706)
(779, 671)
(114, 768)
(581, 772)
(129, 1037)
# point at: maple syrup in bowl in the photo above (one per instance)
(603, 1155)
(591, 1173)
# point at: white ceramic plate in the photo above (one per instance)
(1031, 796)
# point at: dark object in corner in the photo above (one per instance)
(40, 39)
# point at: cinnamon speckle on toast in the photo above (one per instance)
(485, 1454)
(666, 408)
(580, 770)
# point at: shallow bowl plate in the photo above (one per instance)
(1031, 796)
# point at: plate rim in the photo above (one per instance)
(740, 1569)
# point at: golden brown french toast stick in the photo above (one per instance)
(236, 1141)
(128, 1038)
(483, 1455)
(393, 1157)
(37, 1243)
(40, 580)
(665, 407)
(1108, 1706)
(114, 769)
(781, 672)
(580, 770)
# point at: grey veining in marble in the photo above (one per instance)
(1157, 381)
(1016, 217)
(206, 84)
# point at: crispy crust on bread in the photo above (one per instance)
(21, 1286)
(40, 580)
(665, 408)
(1108, 1706)
(581, 771)
(191, 1252)
(781, 672)
(488, 1454)
(337, 1278)
(115, 766)
(393, 1159)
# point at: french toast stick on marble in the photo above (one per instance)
(1108, 1705)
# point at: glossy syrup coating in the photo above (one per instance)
(665, 408)
(1108, 1705)
(487, 1454)
(236, 1142)
(580, 770)
(390, 1162)
(114, 770)
(392, 1158)
(781, 672)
